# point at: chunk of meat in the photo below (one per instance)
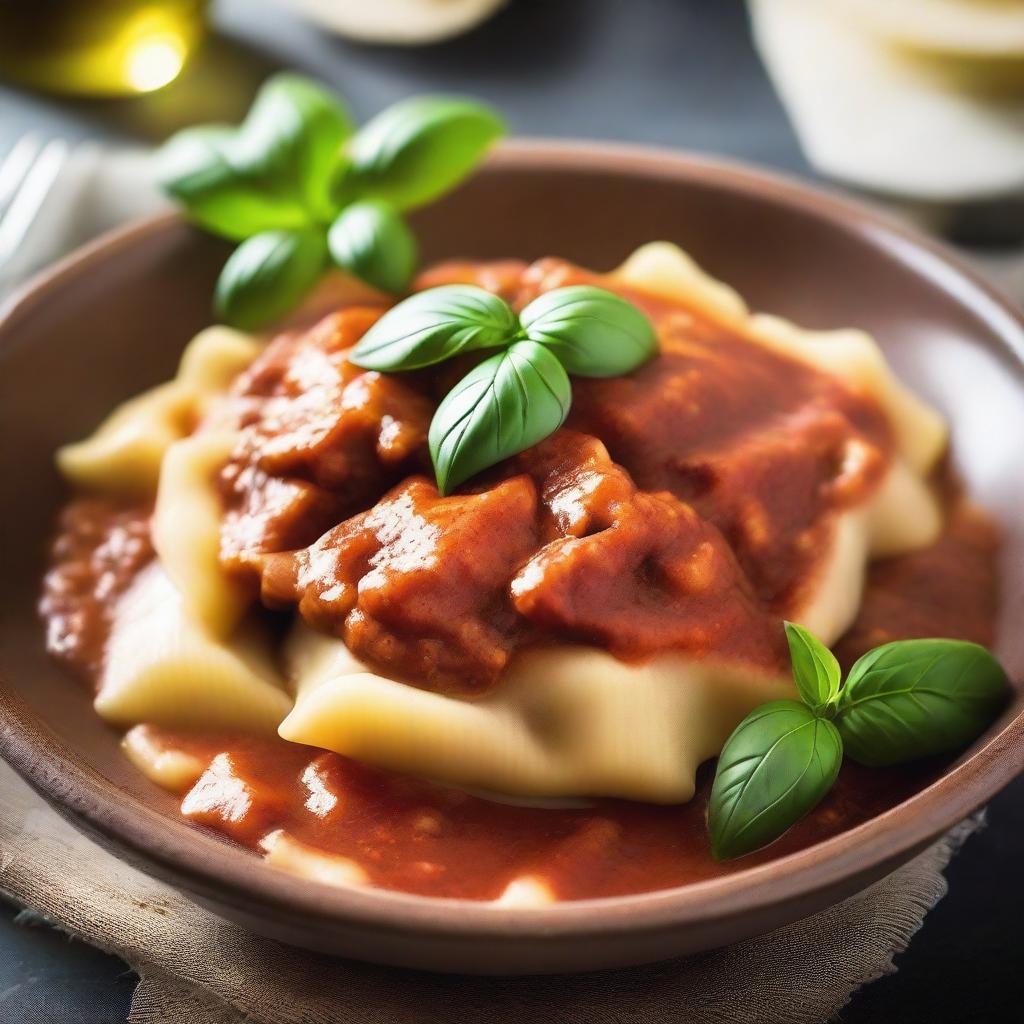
(635, 572)
(325, 439)
(763, 451)
(418, 581)
(770, 493)
(270, 513)
(578, 483)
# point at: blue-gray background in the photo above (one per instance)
(673, 72)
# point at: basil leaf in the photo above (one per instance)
(267, 275)
(915, 698)
(291, 140)
(369, 239)
(194, 167)
(434, 325)
(508, 403)
(775, 767)
(418, 149)
(815, 669)
(594, 332)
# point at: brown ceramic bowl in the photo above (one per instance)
(112, 319)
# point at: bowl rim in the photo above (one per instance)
(232, 876)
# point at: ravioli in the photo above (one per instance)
(186, 531)
(161, 666)
(124, 454)
(578, 721)
(566, 701)
(563, 722)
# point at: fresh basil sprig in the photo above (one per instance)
(815, 670)
(267, 274)
(435, 325)
(371, 240)
(902, 701)
(781, 760)
(595, 333)
(418, 149)
(197, 169)
(274, 171)
(294, 165)
(506, 404)
(915, 698)
(291, 138)
(521, 395)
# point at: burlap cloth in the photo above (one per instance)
(197, 969)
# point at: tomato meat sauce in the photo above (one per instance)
(683, 507)
(415, 836)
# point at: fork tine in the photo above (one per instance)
(16, 165)
(27, 201)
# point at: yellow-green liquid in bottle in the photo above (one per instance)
(98, 47)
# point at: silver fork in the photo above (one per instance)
(28, 174)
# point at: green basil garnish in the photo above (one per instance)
(775, 767)
(267, 275)
(915, 698)
(815, 669)
(291, 140)
(195, 168)
(506, 404)
(417, 150)
(435, 325)
(275, 171)
(594, 332)
(280, 170)
(902, 701)
(371, 240)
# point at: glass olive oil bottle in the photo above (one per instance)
(98, 47)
